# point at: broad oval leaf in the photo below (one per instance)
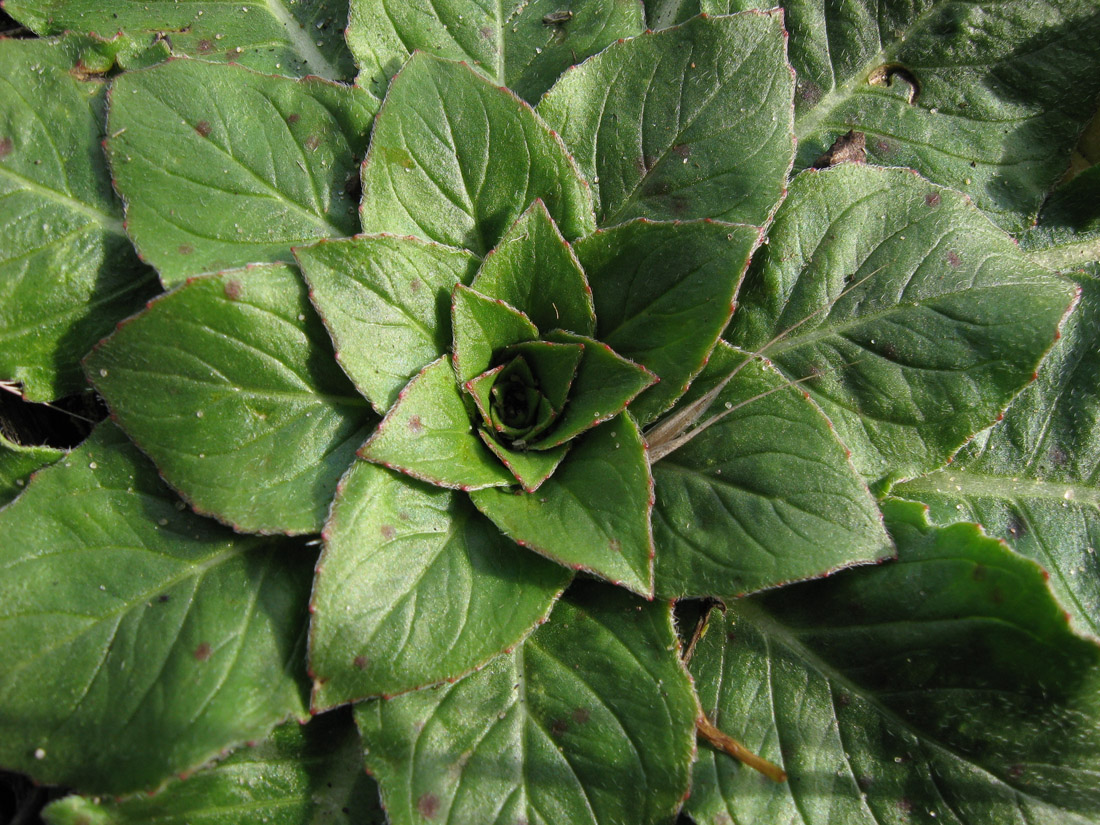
(67, 270)
(147, 623)
(663, 293)
(591, 721)
(986, 97)
(228, 383)
(763, 497)
(301, 773)
(386, 302)
(689, 122)
(435, 172)
(1032, 480)
(18, 463)
(944, 687)
(522, 45)
(287, 37)
(593, 513)
(414, 587)
(221, 167)
(919, 319)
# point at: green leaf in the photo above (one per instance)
(436, 173)
(127, 622)
(945, 687)
(415, 587)
(301, 773)
(386, 302)
(920, 320)
(689, 122)
(593, 513)
(530, 467)
(1068, 231)
(663, 294)
(660, 14)
(221, 167)
(229, 385)
(514, 44)
(536, 271)
(18, 463)
(67, 270)
(1031, 480)
(428, 435)
(985, 97)
(274, 36)
(763, 497)
(590, 722)
(483, 327)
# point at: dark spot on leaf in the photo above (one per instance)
(415, 425)
(428, 805)
(486, 32)
(5, 147)
(932, 199)
(679, 204)
(232, 290)
(312, 142)
(293, 117)
(558, 727)
(979, 573)
(1016, 771)
(388, 532)
(163, 597)
(361, 662)
(953, 258)
(848, 148)
(864, 781)
(884, 147)
(414, 285)
(905, 805)
(581, 715)
(205, 47)
(203, 128)
(682, 150)
(202, 652)
(186, 249)
(809, 92)
(889, 351)
(731, 636)
(1058, 457)
(615, 546)
(844, 700)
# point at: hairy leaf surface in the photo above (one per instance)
(17, 463)
(147, 623)
(228, 383)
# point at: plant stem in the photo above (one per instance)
(727, 744)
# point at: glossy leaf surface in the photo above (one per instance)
(691, 122)
(1032, 479)
(286, 37)
(414, 587)
(221, 167)
(67, 270)
(228, 383)
(763, 497)
(591, 720)
(920, 319)
(435, 173)
(199, 643)
(663, 294)
(522, 45)
(386, 302)
(944, 687)
(985, 97)
(593, 513)
(301, 773)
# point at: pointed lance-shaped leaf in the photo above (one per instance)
(482, 328)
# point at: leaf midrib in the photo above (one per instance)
(109, 222)
(299, 38)
(1002, 487)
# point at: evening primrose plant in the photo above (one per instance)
(585, 412)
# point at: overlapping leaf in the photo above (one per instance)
(67, 270)
(944, 687)
(919, 318)
(301, 773)
(1032, 480)
(386, 302)
(1067, 233)
(17, 463)
(286, 37)
(986, 97)
(127, 622)
(522, 45)
(437, 173)
(221, 167)
(690, 122)
(228, 383)
(763, 497)
(415, 587)
(663, 293)
(590, 721)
